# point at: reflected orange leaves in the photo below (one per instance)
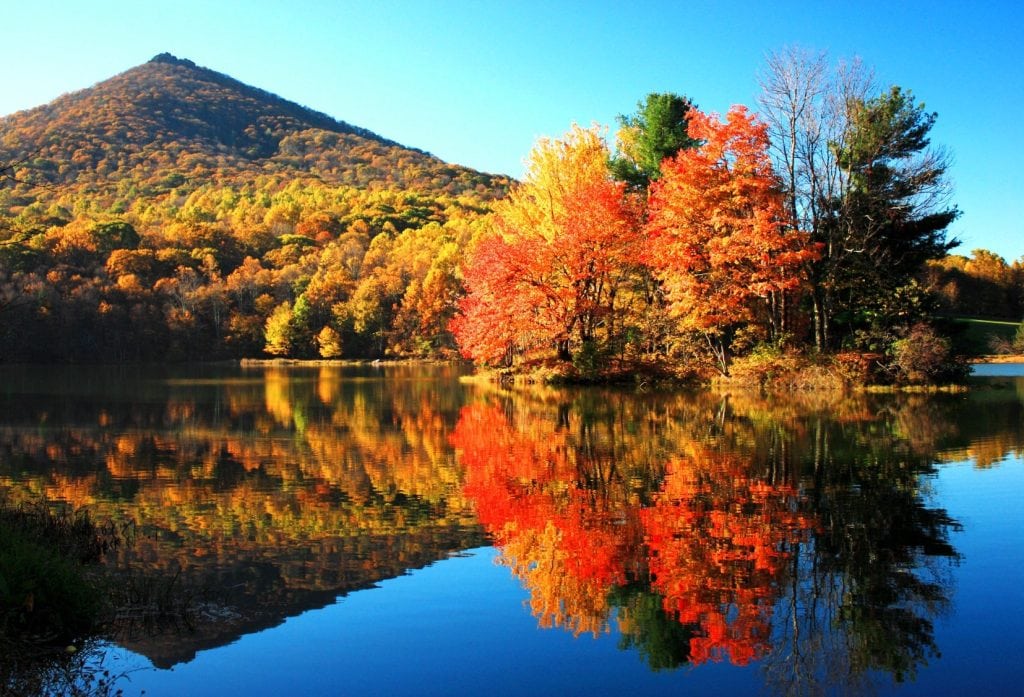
(717, 540)
(523, 484)
(712, 539)
(282, 456)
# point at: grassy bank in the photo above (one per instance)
(975, 336)
(51, 600)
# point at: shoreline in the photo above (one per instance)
(997, 358)
(249, 362)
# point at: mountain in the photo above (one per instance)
(175, 213)
(169, 121)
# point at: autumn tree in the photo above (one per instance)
(543, 281)
(657, 131)
(721, 240)
(279, 331)
(861, 180)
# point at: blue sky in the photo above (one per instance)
(477, 83)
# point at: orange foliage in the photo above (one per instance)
(713, 541)
(720, 238)
(522, 482)
(544, 279)
(718, 540)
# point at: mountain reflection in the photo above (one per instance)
(797, 533)
(260, 494)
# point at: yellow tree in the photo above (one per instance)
(545, 279)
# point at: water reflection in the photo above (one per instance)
(796, 534)
(261, 493)
(709, 529)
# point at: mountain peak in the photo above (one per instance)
(171, 59)
(172, 118)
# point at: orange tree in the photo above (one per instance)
(543, 281)
(720, 239)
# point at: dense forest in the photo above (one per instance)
(174, 213)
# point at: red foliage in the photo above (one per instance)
(522, 482)
(544, 278)
(714, 541)
(717, 542)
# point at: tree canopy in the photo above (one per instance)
(658, 130)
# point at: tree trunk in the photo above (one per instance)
(563, 350)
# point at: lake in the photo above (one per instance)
(392, 530)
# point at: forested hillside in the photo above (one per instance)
(172, 212)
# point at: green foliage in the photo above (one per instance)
(116, 235)
(658, 130)
(889, 219)
(44, 590)
(661, 639)
(591, 359)
(886, 137)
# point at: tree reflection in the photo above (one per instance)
(718, 539)
(793, 532)
(713, 529)
(266, 492)
(864, 595)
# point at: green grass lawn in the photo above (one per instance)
(975, 334)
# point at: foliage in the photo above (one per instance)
(168, 211)
(173, 213)
(721, 242)
(860, 179)
(167, 125)
(544, 280)
(657, 131)
(720, 531)
(922, 356)
(44, 591)
(890, 210)
(328, 342)
(981, 285)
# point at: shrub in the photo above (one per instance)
(924, 357)
(44, 590)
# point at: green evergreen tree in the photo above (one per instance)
(890, 216)
(658, 130)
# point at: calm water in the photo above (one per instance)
(394, 531)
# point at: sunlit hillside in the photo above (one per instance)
(174, 213)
